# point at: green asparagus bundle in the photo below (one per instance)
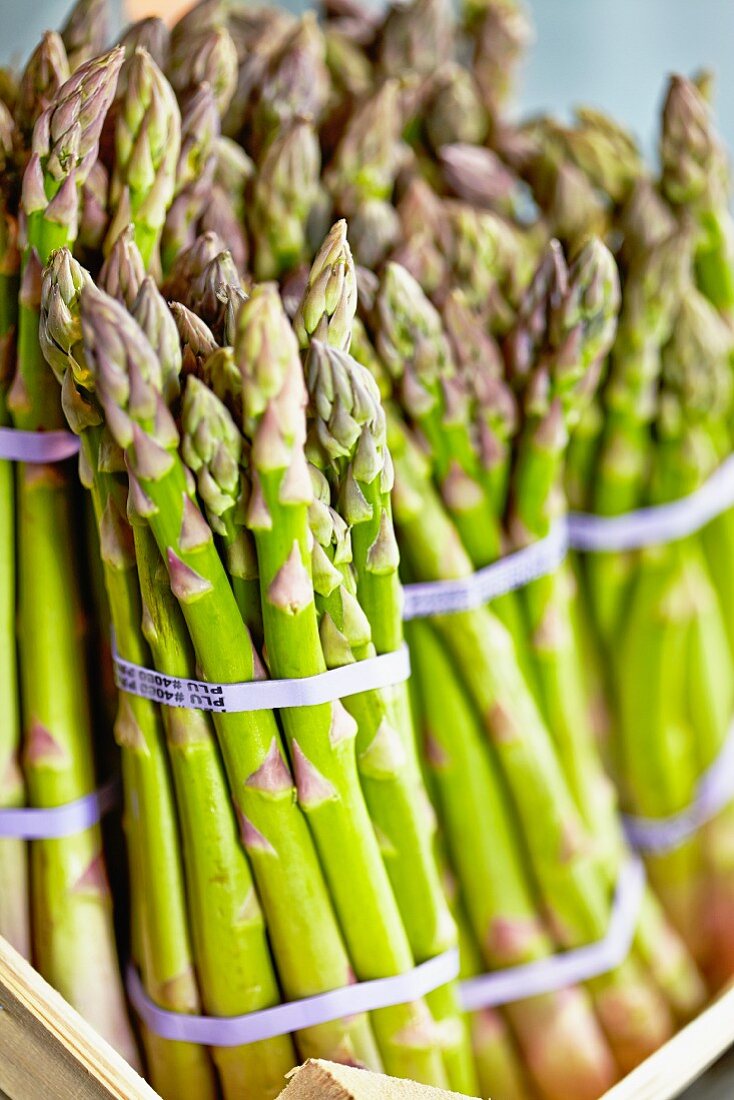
(463, 496)
(407, 1038)
(56, 897)
(658, 431)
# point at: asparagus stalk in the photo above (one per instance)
(293, 82)
(497, 1058)
(673, 587)
(194, 172)
(123, 271)
(454, 112)
(325, 769)
(156, 320)
(214, 451)
(362, 172)
(606, 152)
(45, 72)
(197, 339)
(208, 294)
(221, 216)
(305, 937)
(208, 56)
(500, 32)
(190, 263)
(327, 308)
(85, 32)
(694, 181)
(147, 144)
(283, 195)
(652, 292)
(14, 894)
(160, 928)
(413, 345)
(576, 332)
(153, 35)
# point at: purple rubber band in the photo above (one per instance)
(658, 524)
(567, 968)
(714, 791)
(32, 823)
(309, 691)
(466, 593)
(18, 446)
(282, 1019)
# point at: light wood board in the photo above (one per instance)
(48, 1050)
(319, 1080)
(685, 1057)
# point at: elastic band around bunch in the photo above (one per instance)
(567, 968)
(282, 1019)
(658, 524)
(505, 575)
(308, 691)
(53, 822)
(714, 791)
(42, 447)
(583, 531)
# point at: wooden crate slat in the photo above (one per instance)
(321, 1080)
(47, 1049)
(683, 1058)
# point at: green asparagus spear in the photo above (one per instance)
(208, 56)
(284, 192)
(45, 72)
(194, 172)
(153, 35)
(147, 143)
(694, 181)
(122, 273)
(14, 892)
(214, 451)
(85, 32)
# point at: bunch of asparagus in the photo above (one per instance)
(55, 903)
(245, 444)
(256, 856)
(661, 616)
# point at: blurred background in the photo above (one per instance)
(611, 52)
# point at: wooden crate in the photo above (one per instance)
(684, 1057)
(48, 1050)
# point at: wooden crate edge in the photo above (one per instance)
(60, 1043)
(58, 1034)
(329, 1081)
(683, 1058)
